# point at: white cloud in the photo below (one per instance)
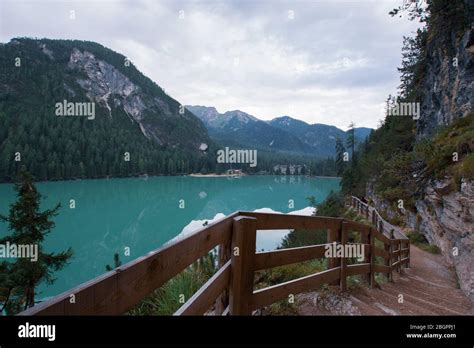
(334, 62)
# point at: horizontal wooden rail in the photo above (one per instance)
(382, 269)
(355, 269)
(404, 261)
(288, 256)
(273, 221)
(269, 295)
(395, 253)
(203, 299)
(230, 290)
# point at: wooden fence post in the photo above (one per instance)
(399, 268)
(365, 239)
(390, 250)
(223, 256)
(372, 258)
(343, 261)
(387, 248)
(334, 235)
(242, 274)
(408, 246)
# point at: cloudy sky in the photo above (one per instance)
(322, 61)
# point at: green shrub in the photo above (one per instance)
(167, 299)
(333, 205)
(300, 237)
(431, 248)
(286, 273)
(437, 154)
(419, 240)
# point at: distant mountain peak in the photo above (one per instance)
(283, 133)
(202, 107)
(241, 116)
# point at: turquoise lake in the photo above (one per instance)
(144, 214)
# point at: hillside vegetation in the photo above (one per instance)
(397, 161)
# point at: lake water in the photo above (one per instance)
(144, 214)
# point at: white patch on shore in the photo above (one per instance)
(266, 240)
(194, 226)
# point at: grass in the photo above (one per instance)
(438, 154)
(286, 273)
(173, 294)
(283, 274)
(417, 239)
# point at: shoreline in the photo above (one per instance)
(196, 175)
(214, 175)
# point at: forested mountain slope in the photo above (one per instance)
(137, 127)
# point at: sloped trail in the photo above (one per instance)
(428, 287)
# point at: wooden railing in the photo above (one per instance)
(392, 232)
(230, 291)
(374, 216)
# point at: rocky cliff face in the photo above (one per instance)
(449, 82)
(107, 86)
(446, 219)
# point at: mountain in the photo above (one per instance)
(362, 132)
(132, 126)
(318, 136)
(314, 134)
(237, 128)
(284, 133)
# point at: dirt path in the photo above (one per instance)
(428, 287)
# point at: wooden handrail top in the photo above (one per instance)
(387, 227)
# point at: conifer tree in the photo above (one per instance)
(117, 263)
(351, 141)
(29, 226)
(340, 149)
